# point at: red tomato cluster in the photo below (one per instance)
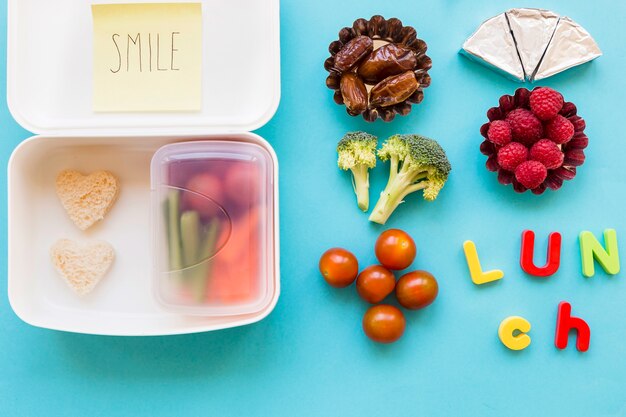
(395, 250)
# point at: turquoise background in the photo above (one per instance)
(309, 357)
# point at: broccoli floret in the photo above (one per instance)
(357, 153)
(416, 163)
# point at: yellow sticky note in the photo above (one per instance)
(147, 57)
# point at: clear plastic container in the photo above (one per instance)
(213, 222)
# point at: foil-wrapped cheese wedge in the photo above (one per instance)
(535, 27)
(571, 45)
(493, 45)
(538, 43)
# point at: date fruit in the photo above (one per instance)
(390, 59)
(393, 90)
(353, 52)
(354, 93)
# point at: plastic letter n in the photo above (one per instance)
(590, 248)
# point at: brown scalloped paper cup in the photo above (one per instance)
(378, 68)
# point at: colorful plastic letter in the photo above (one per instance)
(553, 259)
(473, 263)
(590, 248)
(512, 332)
(565, 322)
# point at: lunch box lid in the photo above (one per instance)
(50, 70)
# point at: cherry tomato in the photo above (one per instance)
(375, 283)
(416, 290)
(384, 323)
(204, 185)
(395, 249)
(242, 184)
(339, 267)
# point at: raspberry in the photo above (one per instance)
(548, 153)
(546, 103)
(510, 156)
(531, 174)
(525, 126)
(560, 130)
(547, 140)
(499, 132)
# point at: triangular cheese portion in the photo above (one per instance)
(493, 45)
(571, 45)
(532, 30)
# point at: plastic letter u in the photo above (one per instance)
(553, 260)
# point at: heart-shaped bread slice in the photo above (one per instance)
(87, 198)
(82, 266)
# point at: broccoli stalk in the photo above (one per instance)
(361, 185)
(416, 163)
(357, 153)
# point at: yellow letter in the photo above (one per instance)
(514, 341)
(478, 276)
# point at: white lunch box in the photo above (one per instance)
(49, 92)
